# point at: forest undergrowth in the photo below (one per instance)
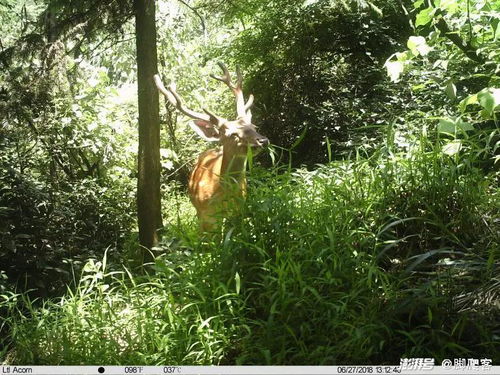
(383, 255)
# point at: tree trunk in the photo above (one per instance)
(148, 186)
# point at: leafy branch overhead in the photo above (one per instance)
(470, 88)
(474, 32)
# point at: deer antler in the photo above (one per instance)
(242, 108)
(174, 98)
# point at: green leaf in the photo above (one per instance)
(376, 9)
(485, 115)
(496, 29)
(441, 63)
(418, 87)
(418, 3)
(471, 99)
(451, 90)
(452, 148)
(249, 158)
(450, 6)
(404, 56)
(329, 150)
(237, 279)
(489, 99)
(300, 138)
(272, 155)
(446, 126)
(424, 17)
(463, 126)
(450, 126)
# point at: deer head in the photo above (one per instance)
(238, 134)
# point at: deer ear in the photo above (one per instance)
(206, 130)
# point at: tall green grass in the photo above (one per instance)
(366, 260)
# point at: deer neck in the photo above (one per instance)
(234, 162)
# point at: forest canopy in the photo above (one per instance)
(370, 227)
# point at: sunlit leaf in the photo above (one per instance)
(237, 280)
(394, 69)
(404, 56)
(471, 99)
(418, 45)
(496, 30)
(481, 4)
(451, 6)
(103, 287)
(452, 148)
(205, 323)
(272, 155)
(300, 138)
(418, 87)
(309, 2)
(489, 99)
(496, 95)
(441, 63)
(424, 17)
(451, 90)
(418, 3)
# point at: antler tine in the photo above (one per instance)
(246, 110)
(242, 108)
(163, 90)
(181, 107)
(226, 78)
(249, 103)
(213, 117)
(175, 99)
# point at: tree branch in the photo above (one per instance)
(195, 11)
(465, 47)
(454, 37)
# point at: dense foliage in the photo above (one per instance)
(372, 233)
(316, 73)
(300, 279)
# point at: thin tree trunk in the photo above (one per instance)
(148, 186)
